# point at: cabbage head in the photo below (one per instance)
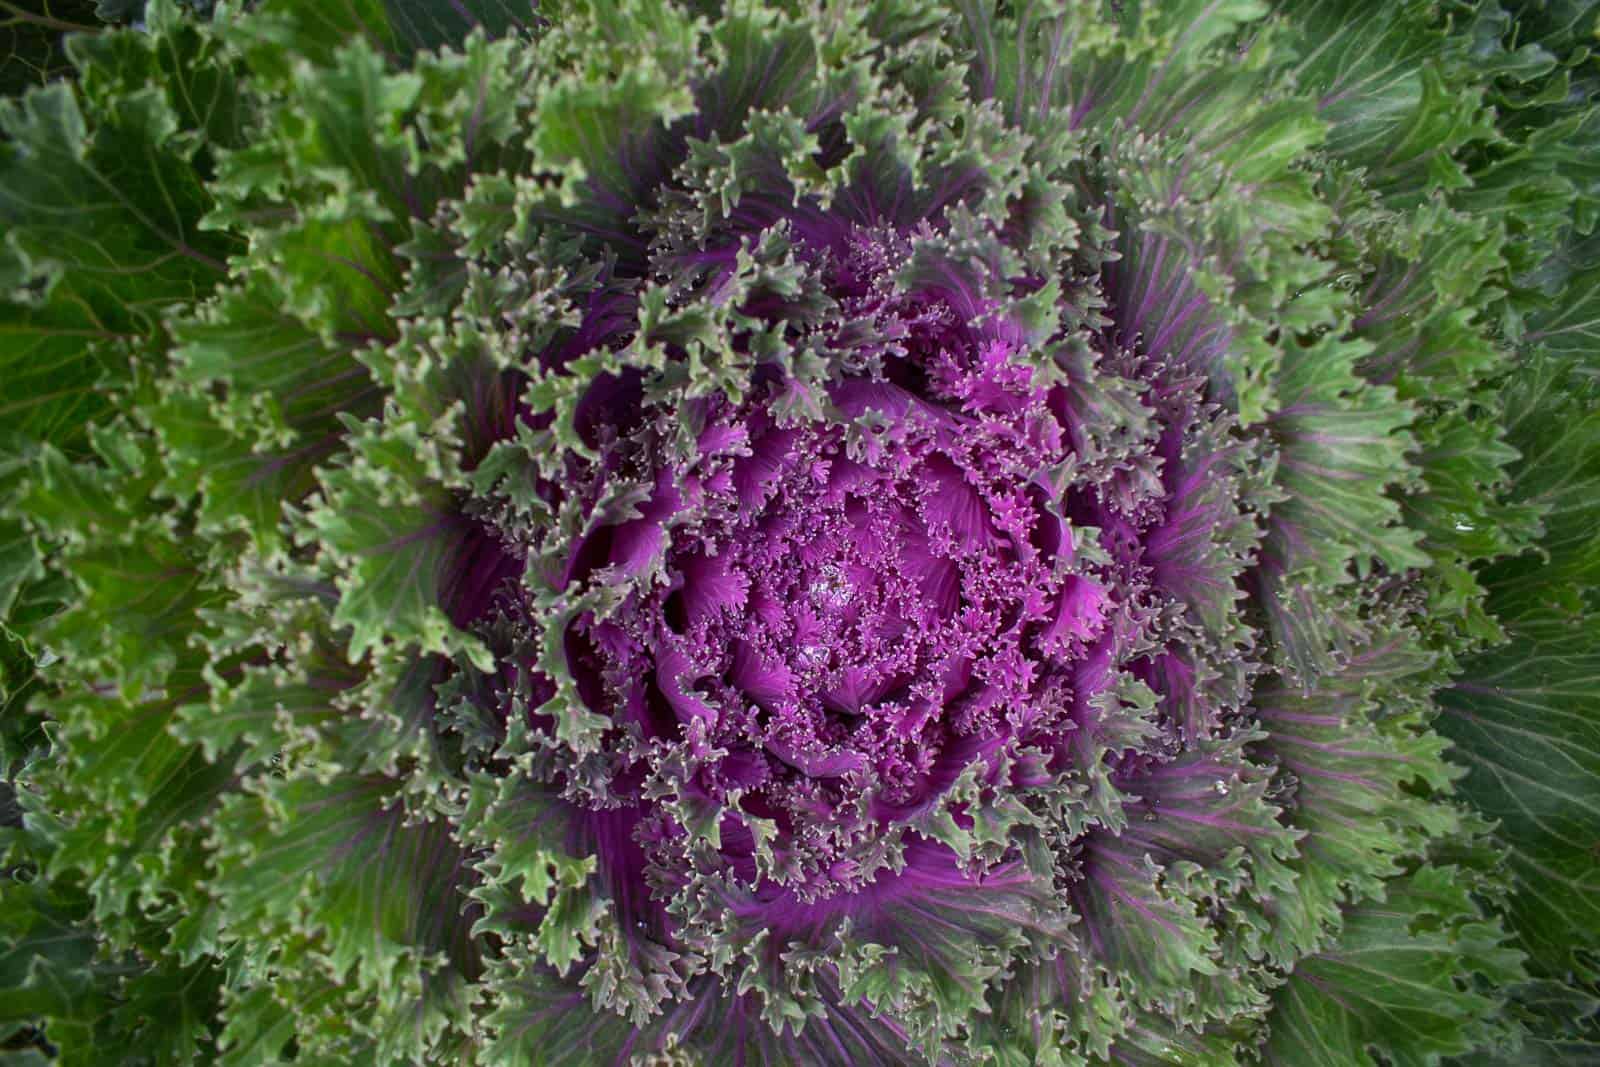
(802, 532)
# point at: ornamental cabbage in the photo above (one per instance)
(667, 532)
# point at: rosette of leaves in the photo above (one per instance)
(803, 534)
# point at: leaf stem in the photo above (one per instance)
(19, 15)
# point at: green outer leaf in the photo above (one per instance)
(387, 529)
(1525, 717)
(1390, 983)
(538, 1019)
(107, 209)
(1393, 85)
(57, 976)
(1343, 444)
(100, 204)
(352, 889)
(1356, 765)
(1526, 721)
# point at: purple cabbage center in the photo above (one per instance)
(854, 612)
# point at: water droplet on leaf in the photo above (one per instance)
(811, 657)
(831, 590)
